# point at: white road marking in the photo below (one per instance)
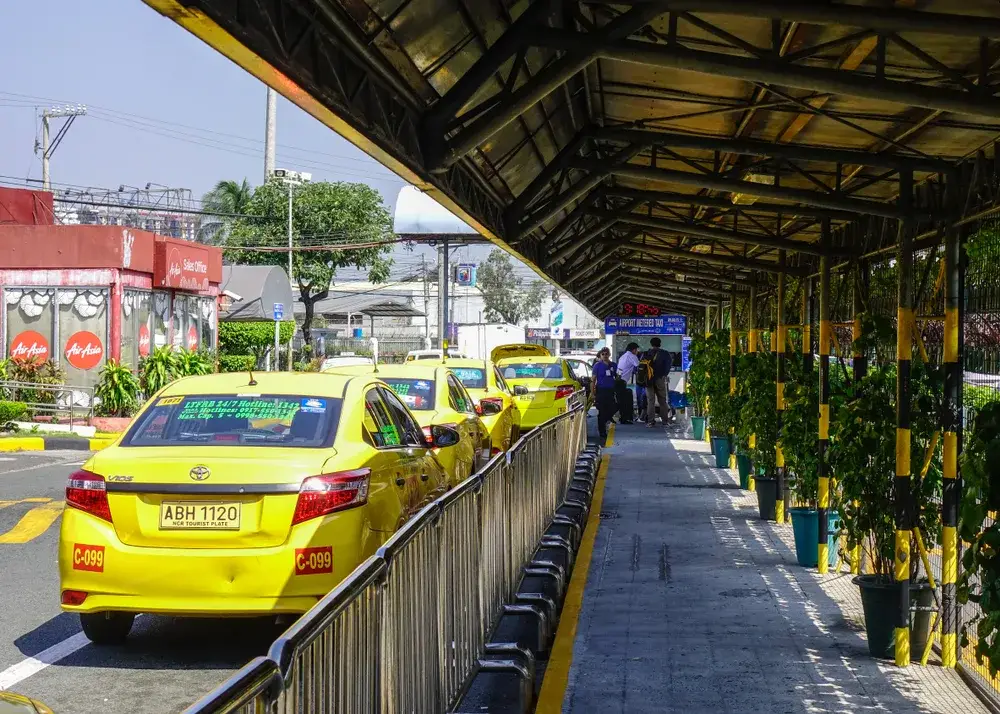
(29, 666)
(42, 466)
(33, 665)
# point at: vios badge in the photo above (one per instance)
(200, 473)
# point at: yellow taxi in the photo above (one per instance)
(11, 703)
(437, 399)
(241, 494)
(493, 397)
(543, 385)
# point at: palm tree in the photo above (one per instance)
(221, 205)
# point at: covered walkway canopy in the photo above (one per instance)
(618, 144)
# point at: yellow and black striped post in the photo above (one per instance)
(860, 359)
(752, 338)
(951, 426)
(732, 361)
(779, 349)
(806, 321)
(902, 487)
(823, 493)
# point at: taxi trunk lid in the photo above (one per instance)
(201, 499)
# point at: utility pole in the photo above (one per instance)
(270, 133)
(71, 112)
(427, 298)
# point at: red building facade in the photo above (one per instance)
(82, 294)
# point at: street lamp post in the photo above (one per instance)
(291, 179)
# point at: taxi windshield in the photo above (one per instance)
(417, 394)
(525, 370)
(237, 420)
(470, 377)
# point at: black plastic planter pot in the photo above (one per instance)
(767, 497)
(880, 599)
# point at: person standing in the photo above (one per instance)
(604, 391)
(627, 364)
(656, 388)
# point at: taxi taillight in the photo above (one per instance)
(86, 491)
(564, 391)
(73, 597)
(329, 493)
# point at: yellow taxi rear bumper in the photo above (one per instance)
(288, 578)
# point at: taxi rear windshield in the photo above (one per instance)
(238, 420)
(417, 394)
(471, 377)
(518, 370)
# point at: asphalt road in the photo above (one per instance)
(166, 664)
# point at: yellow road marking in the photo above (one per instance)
(610, 440)
(550, 699)
(33, 523)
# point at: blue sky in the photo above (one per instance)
(164, 107)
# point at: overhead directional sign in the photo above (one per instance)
(663, 325)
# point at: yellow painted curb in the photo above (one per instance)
(550, 699)
(23, 443)
(610, 440)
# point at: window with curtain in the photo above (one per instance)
(30, 323)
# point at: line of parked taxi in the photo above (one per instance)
(256, 493)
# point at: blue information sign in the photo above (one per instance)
(686, 354)
(663, 325)
(279, 311)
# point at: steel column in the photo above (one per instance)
(823, 492)
(752, 337)
(951, 426)
(781, 509)
(860, 366)
(902, 497)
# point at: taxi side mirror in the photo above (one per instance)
(520, 390)
(444, 436)
(489, 408)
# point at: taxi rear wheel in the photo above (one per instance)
(107, 628)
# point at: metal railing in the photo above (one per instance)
(407, 629)
(62, 403)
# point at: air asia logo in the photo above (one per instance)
(192, 341)
(143, 341)
(84, 350)
(29, 346)
(185, 273)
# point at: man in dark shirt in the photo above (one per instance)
(656, 389)
(604, 391)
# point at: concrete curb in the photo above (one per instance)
(51, 443)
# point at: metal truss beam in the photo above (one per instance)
(676, 287)
(691, 199)
(730, 261)
(576, 58)
(721, 183)
(703, 276)
(772, 71)
(754, 147)
(702, 231)
(835, 13)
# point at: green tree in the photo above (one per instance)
(227, 199)
(329, 216)
(506, 297)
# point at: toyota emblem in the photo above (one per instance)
(200, 473)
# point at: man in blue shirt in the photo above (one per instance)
(604, 391)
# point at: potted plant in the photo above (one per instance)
(864, 458)
(800, 445)
(757, 386)
(697, 385)
(979, 581)
(117, 397)
(710, 364)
